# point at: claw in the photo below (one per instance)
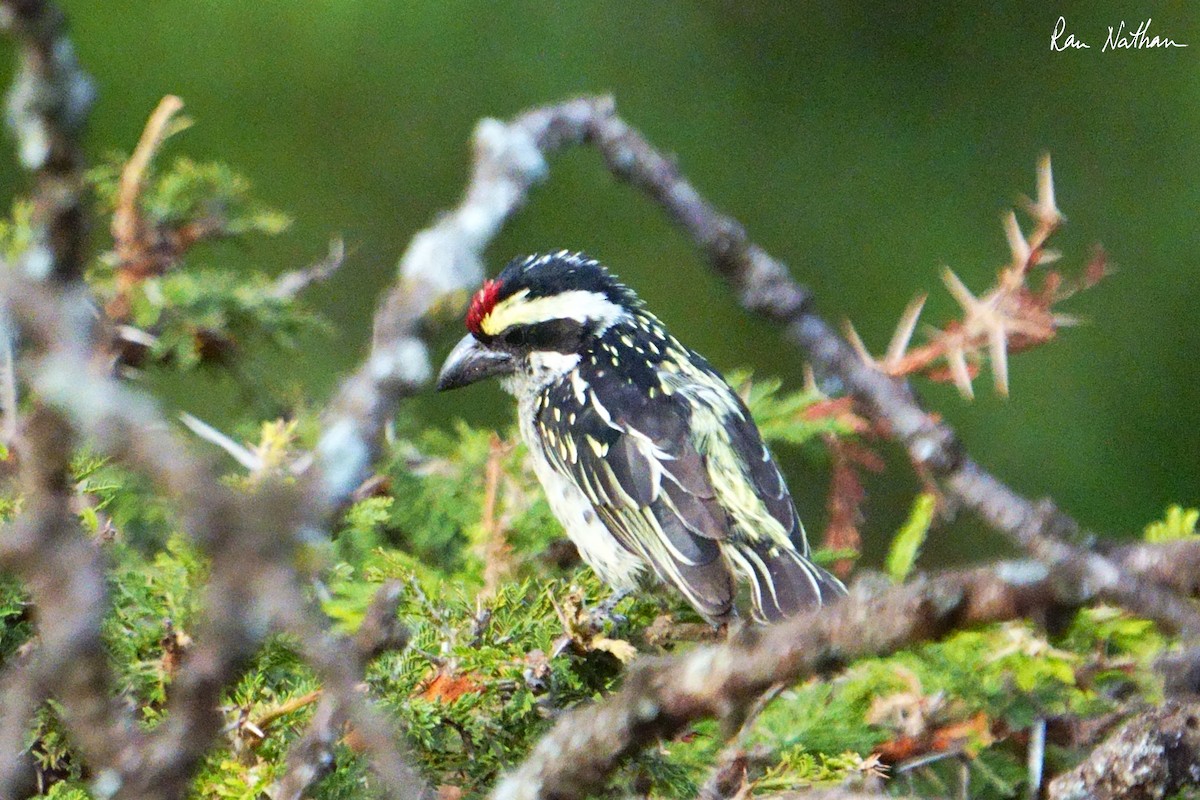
(605, 611)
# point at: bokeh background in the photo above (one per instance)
(865, 144)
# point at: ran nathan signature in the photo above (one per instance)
(1122, 37)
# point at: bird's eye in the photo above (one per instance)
(517, 337)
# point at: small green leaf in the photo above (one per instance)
(1180, 523)
(907, 544)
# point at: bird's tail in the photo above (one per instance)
(783, 582)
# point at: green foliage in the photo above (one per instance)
(444, 476)
(792, 417)
(908, 540)
(16, 233)
(500, 637)
(191, 192)
(972, 688)
(15, 626)
(1180, 523)
(192, 313)
(211, 315)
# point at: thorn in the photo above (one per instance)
(1048, 256)
(210, 434)
(998, 350)
(1045, 210)
(1016, 243)
(962, 295)
(857, 343)
(957, 360)
(904, 330)
(810, 378)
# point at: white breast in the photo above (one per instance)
(615, 565)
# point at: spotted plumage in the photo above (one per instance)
(648, 458)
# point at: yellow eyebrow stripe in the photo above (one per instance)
(575, 304)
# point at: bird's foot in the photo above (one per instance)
(605, 610)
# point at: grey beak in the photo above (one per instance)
(470, 361)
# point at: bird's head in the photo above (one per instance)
(541, 311)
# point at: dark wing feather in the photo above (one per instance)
(636, 458)
(652, 515)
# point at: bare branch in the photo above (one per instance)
(290, 284)
(311, 758)
(48, 106)
(509, 161)
(1154, 755)
(662, 697)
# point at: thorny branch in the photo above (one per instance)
(1009, 317)
(254, 586)
(510, 160)
(661, 697)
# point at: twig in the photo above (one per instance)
(291, 706)
(496, 552)
(131, 238)
(1035, 758)
(290, 284)
(237, 451)
(311, 758)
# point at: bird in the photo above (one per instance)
(649, 460)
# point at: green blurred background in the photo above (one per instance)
(866, 145)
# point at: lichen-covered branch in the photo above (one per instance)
(510, 160)
(1153, 755)
(48, 105)
(662, 697)
(254, 584)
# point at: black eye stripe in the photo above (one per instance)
(563, 335)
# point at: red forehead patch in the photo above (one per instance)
(482, 304)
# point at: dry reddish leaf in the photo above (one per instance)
(974, 731)
(840, 409)
(846, 497)
(445, 687)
